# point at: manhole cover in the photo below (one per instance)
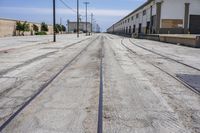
(191, 80)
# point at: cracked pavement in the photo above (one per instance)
(137, 96)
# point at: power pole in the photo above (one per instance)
(78, 19)
(91, 22)
(61, 24)
(86, 3)
(54, 20)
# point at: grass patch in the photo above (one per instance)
(41, 33)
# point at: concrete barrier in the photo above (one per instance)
(181, 39)
(149, 37)
(187, 40)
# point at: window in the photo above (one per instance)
(137, 15)
(128, 20)
(144, 12)
(132, 18)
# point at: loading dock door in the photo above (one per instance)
(195, 24)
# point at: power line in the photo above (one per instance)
(68, 6)
(65, 4)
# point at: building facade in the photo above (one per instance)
(161, 17)
(72, 27)
(8, 28)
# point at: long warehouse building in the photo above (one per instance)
(161, 17)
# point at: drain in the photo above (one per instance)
(191, 80)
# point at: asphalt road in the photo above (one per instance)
(50, 87)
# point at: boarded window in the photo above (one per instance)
(172, 23)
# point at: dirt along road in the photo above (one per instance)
(56, 88)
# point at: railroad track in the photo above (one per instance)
(3, 72)
(44, 86)
(154, 52)
(100, 108)
(36, 44)
(161, 69)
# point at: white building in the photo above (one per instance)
(72, 27)
(161, 16)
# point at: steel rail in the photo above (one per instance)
(171, 75)
(198, 69)
(100, 108)
(44, 86)
(5, 71)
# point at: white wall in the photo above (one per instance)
(194, 6)
(175, 9)
(172, 9)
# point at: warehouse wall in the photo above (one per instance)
(173, 13)
(122, 25)
(8, 28)
(72, 26)
(171, 21)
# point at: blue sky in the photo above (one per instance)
(106, 12)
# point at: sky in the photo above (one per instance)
(106, 12)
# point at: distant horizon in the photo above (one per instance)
(32, 11)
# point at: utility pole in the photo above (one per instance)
(61, 24)
(91, 22)
(78, 19)
(54, 20)
(86, 3)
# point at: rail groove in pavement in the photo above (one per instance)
(171, 75)
(45, 85)
(3, 72)
(100, 108)
(164, 56)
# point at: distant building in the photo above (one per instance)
(161, 17)
(72, 27)
(8, 27)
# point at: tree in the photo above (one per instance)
(58, 28)
(19, 27)
(35, 28)
(63, 28)
(44, 27)
(22, 27)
